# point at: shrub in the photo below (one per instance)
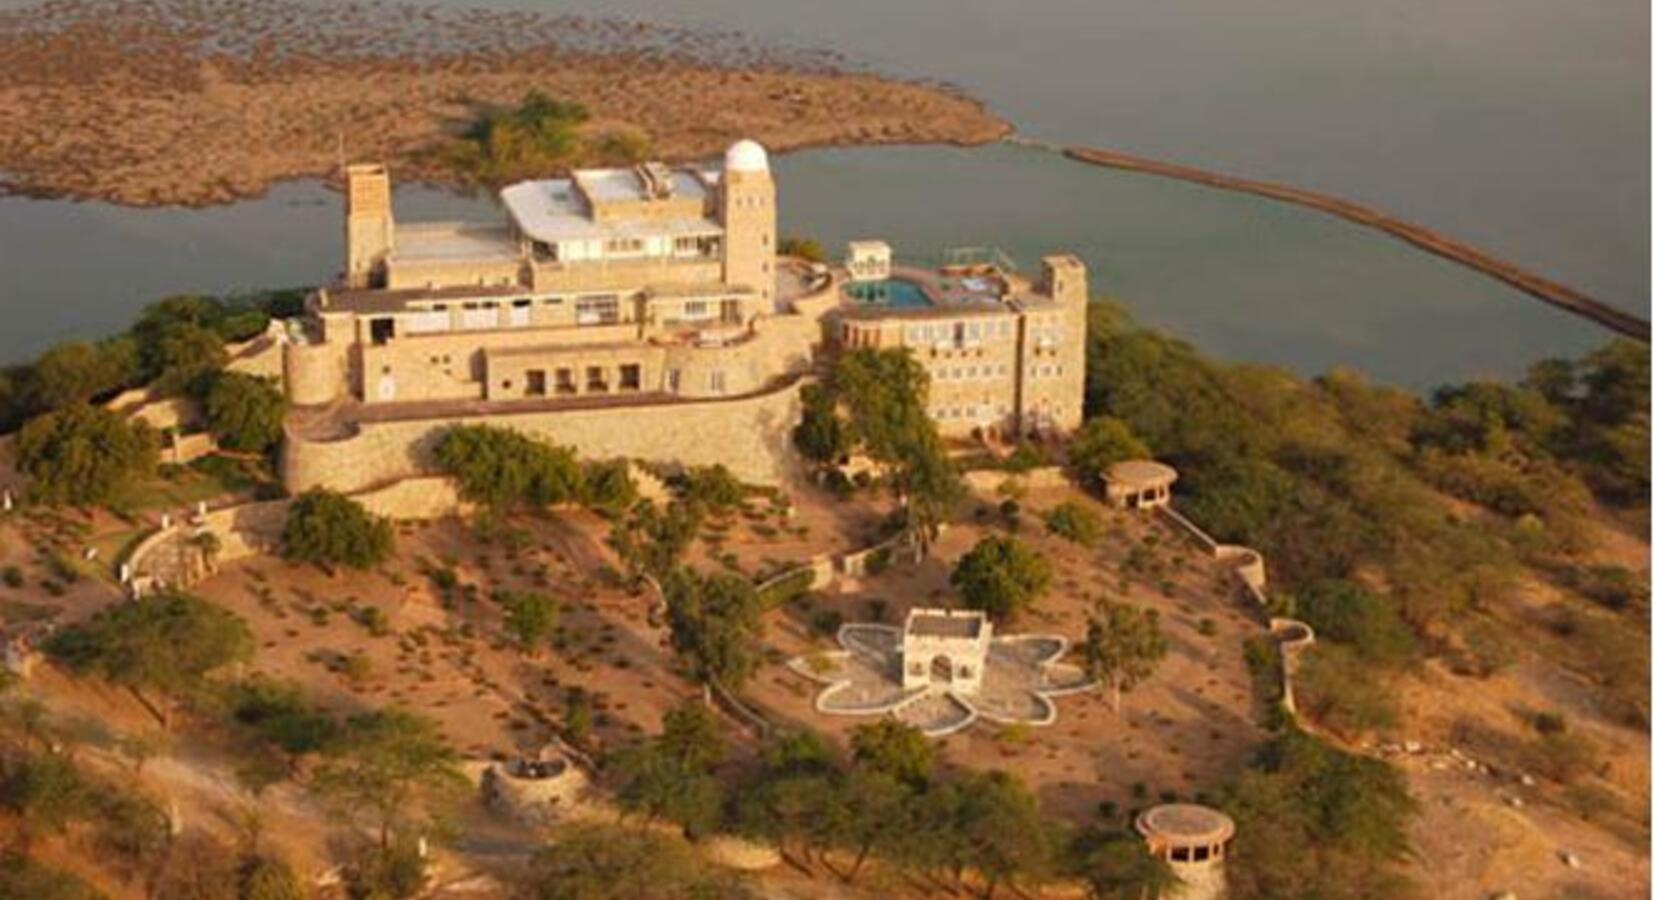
(504, 468)
(83, 454)
(1343, 612)
(1001, 576)
(244, 412)
(1101, 442)
(1074, 522)
(1335, 688)
(326, 528)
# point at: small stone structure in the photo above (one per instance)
(1193, 840)
(945, 646)
(538, 790)
(867, 260)
(1138, 484)
(941, 672)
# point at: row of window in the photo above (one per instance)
(957, 332)
(970, 373)
(970, 412)
(568, 381)
(1046, 371)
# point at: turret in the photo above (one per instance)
(747, 213)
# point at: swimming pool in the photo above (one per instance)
(897, 292)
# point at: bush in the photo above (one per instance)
(166, 641)
(808, 249)
(504, 468)
(326, 528)
(1336, 689)
(83, 454)
(22, 877)
(1345, 613)
(713, 488)
(1101, 442)
(1001, 576)
(244, 412)
(1074, 522)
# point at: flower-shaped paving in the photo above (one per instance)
(1019, 680)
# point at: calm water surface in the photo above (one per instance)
(1519, 125)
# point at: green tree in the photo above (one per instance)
(1313, 821)
(167, 643)
(1118, 866)
(1004, 835)
(183, 356)
(611, 862)
(327, 528)
(715, 624)
(78, 372)
(671, 777)
(244, 412)
(878, 398)
(1346, 613)
(504, 468)
(821, 435)
(1101, 442)
(1123, 646)
(607, 486)
(895, 749)
(872, 814)
(83, 454)
(390, 765)
(1001, 576)
(279, 713)
(713, 488)
(538, 135)
(45, 791)
(530, 616)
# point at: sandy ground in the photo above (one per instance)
(1191, 726)
(174, 102)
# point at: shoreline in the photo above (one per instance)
(196, 103)
(1537, 286)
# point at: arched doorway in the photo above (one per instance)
(941, 670)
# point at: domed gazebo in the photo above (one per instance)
(1138, 484)
(1193, 840)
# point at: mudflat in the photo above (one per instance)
(198, 102)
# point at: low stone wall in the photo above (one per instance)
(251, 529)
(989, 481)
(1291, 635)
(751, 435)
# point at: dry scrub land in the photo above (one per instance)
(423, 632)
(175, 103)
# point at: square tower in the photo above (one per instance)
(369, 228)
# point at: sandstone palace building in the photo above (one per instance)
(644, 312)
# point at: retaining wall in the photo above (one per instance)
(1291, 635)
(751, 435)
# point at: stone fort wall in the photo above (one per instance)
(751, 435)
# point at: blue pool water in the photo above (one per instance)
(890, 292)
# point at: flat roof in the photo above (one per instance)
(943, 624)
(441, 241)
(553, 209)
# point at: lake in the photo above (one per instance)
(1518, 125)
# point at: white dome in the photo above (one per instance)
(746, 156)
